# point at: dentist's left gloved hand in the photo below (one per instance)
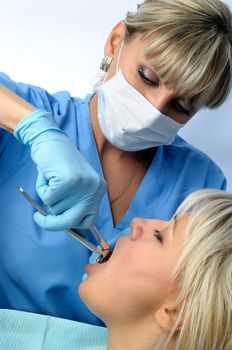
(94, 256)
(66, 182)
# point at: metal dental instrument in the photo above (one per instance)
(104, 253)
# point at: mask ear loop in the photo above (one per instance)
(117, 64)
(119, 55)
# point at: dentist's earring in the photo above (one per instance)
(105, 63)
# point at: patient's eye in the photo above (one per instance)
(157, 234)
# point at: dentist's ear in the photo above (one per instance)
(115, 39)
(166, 316)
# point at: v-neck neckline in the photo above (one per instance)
(92, 155)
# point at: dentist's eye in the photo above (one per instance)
(147, 80)
(181, 109)
(157, 234)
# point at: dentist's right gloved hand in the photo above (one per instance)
(66, 182)
(94, 256)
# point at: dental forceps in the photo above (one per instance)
(105, 251)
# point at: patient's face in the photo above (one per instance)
(137, 277)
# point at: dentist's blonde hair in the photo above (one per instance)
(204, 274)
(189, 45)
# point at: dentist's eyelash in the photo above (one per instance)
(157, 234)
(181, 109)
(147, 80)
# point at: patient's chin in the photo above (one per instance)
(97, 289)
(89, 291)
(90, 299)
(83, 290)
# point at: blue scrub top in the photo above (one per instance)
(40, 270)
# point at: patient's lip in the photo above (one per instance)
(90, 267)
(104, 259)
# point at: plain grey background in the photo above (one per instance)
(58, 45)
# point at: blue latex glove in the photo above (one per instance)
(94, 256)
(66, 182)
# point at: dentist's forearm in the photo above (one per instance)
(12, 109)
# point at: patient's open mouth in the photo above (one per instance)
(105, 258)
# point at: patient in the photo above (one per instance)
(169, 284)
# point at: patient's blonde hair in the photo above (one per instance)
(190, 45)
(204, 273)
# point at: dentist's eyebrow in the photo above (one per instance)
(185, 100)
(153, 71)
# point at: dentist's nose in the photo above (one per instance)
(162, 98)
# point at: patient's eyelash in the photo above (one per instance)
(157, 234)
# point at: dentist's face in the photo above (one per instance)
(137, 277)
(139, 73)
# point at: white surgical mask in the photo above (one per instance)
(128, 120)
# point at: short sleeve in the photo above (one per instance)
(37, 96)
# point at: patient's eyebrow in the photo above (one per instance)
(173, 225)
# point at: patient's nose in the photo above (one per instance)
(141, 227)
(137, 228)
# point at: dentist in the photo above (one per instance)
(111, 156)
